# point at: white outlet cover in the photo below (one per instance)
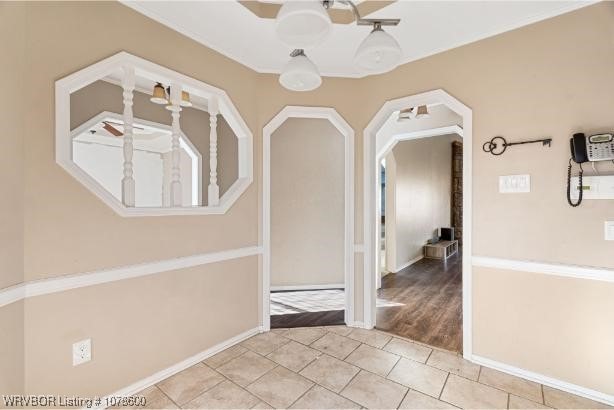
(609, 230)
(81, 352)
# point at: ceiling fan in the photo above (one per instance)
(110, 127)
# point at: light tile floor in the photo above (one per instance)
(324, 300)
(338, 367)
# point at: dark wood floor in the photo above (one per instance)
(308, 319)
(431, 293)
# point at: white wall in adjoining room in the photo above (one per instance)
(307, 203)
(422, 186)
(104, 163)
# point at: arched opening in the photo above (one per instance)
(331, 118)
(374, 150)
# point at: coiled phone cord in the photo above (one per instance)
(579, 201)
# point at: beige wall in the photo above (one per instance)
(423, 185)
(559, 327)
(551, 78)
(138, 326)
(12, 349)
(56, 203)
(12, 138)
(307, 205)
(11, 204)
(102, 96)
(547, 79)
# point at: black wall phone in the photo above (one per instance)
(598, 147)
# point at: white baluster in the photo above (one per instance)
(176, 199)
(214, 189)
(128, 186)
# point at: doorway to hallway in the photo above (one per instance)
(420, 196)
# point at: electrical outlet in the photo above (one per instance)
(81, 352)
(609, 230)
(514, 183)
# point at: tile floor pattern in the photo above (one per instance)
(324, 300)
(339, 367)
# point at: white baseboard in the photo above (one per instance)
(411, 262)
(360, 325)
(308, 287)
(190, 361)
(545, 380)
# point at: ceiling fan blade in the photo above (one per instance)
(109, 128)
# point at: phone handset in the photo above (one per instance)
(577, 145)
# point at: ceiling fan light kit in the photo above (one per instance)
(406, 114)
(304, 24)
(422, 112)
(158, 95)
(300, 73)
(161, 96)
(378, 53)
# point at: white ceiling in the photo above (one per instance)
(426, 28)
(146, 138)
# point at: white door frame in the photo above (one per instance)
(348, 133)
(371, 167)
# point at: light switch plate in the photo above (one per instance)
(609, 230)
(514, 184)
(81, 352)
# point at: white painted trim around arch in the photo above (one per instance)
(370, 194)
(346, 130)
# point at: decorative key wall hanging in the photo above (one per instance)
(497, 145)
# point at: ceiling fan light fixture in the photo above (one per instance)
(422, 112)
(300, 73)
(302, 24)
(378, 53)
(185, 99)
(406, 114)
(158, 95)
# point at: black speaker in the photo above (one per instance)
(447, 234)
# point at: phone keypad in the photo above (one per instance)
(600, 151)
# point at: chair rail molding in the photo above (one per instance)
(79, 280)
(107, 70)
(556, 269)
(347, 131)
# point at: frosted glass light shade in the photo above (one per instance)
(378, 53)
(423, 112)
(300, 74)
(302, 24)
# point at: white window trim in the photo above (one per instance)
(97, 71)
